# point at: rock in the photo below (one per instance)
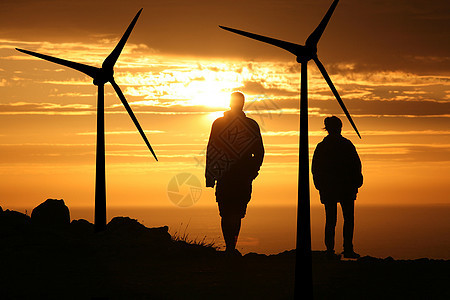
(11, 221)
(1, 209)
(81, 226)
(287, 254)
(253, 255)
(11, 217)
(131, 228)
(51, 213)
(125, 224)
(368, 259)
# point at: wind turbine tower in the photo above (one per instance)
(101, 76)
(304, 53)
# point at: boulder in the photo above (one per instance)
(81, 226)
(13, 221)
(125, 224)
(51, 213)
(131, 228)
(13, 218)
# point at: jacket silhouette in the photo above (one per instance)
(235, 149)
(336, 169)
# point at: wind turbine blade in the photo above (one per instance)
(110, 61)
(133, 117)
(291, 47)
(314, 38)
(88, 70)
(335, 92)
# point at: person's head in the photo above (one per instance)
(333, 125)
(237, 101)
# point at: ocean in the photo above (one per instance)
(402, 232)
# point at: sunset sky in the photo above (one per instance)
(388, 59)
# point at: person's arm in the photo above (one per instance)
(258, 152)
(316, 167)
(357, 169)
(209, 175)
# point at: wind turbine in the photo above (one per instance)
(304, 53)
(101, 76)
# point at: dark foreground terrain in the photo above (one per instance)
(130, 261)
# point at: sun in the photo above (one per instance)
(212, 116)
(210, 94)
(215, 99)
(211, 88)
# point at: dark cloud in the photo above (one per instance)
(163, 106)
(385, 108)
(381, 35)
(358, 107)
(407, 153)
(23, 107)
(253, 87)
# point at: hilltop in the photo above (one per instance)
(48, 257)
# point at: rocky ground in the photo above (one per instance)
(42, 259)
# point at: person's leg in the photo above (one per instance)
(227, 232)
(348, 211)
(222, 198)
(232, 209)
(231, 226)
(236, 227)
(330, 225)
(238, 206)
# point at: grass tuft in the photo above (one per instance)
(179, 236)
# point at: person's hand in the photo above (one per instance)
(254, 174)
(210, 182)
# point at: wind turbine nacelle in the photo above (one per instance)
(307, 53)
(103, 76)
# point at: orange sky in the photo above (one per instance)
(388, 60)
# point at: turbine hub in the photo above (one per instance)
(307, 54)
(103, 76)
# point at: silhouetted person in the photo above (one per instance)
(336, 169)
(234, 155)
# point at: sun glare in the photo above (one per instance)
(208, 93)
(214, 115)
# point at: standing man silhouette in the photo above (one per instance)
(234, 155)
(336, 169)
